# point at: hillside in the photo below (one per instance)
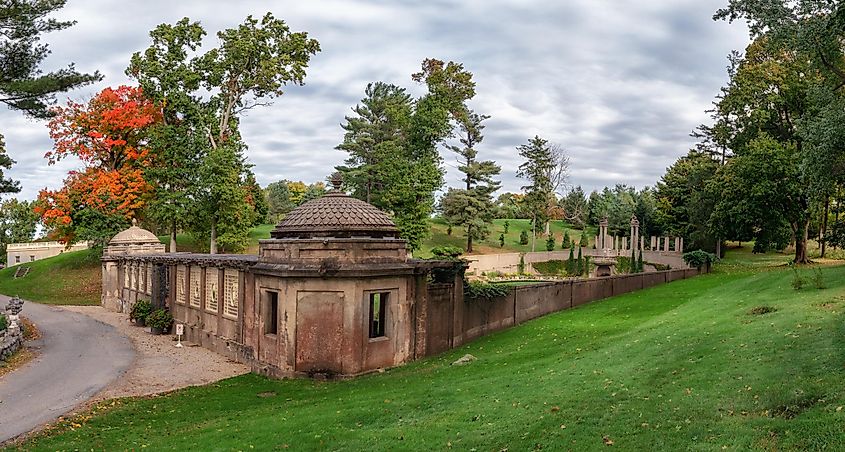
(70, 278)
(732, 360)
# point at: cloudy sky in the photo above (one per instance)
(618, 84)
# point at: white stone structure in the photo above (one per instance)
(21, 253)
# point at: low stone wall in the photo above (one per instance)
(476, 318)
(11, 341)
(509, 262)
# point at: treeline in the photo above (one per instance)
(771, 167)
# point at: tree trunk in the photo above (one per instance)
(173, 237)
(212, 249)
(801, 232)
(823, 234)
(469, 239)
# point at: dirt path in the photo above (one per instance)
(159, 366)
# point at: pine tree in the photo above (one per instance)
(501, 240)
(585, 242)
(634, 267)
(566, 242)
(550, 243)
(640, 265)
(523, 237)
(570, 263)
(579, 269)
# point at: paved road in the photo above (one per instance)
(77, 357)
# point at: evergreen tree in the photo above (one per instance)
(507, 226)
(570, 263)
(566, 242)
(523, 237)
(539, 163)
(585, 242)
(640, 266)
(579, 267)
(472, 207)
(501, 240)
(550, 243)
(634, 266)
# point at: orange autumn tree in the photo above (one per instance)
(108, 134)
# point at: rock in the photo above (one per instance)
(466, 359)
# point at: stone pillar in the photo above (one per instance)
(603, 234)
(677, 244)
(681, 246)
(615, 242)
(642, 243)
(635, 231)
(653, 243)
(112, 284)
(666, 244)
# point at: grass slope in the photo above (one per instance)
(675, 367)
(70, 278)
(439, 237)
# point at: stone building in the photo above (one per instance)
(20, 253)
(333, 291)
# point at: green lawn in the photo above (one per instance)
(440, 237)
(676, 367)
(69, 278)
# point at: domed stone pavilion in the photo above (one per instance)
(333, 292)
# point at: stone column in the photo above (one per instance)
(603, 234)
(681, 248)
(635, 231)
(666, 244)
(653, 243)
(110, 298)
(642, 243)
(677, 244)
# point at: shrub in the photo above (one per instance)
(570, 263)
(449, 230)
(474, 290)
(550, 243)
(798, 281)
(520, 268)
(552, 267)
(586, 268)
(140, 310)
(523, 238)
(579, 264)
(584, 240)
(446, 252)
(160, 319)
(507, 226)
(623, 264)
(564, 244)
(818, 278)
(699, 258)
(640, 266)
(3, 323)
(501, 240)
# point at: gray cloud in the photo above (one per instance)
(618, 84)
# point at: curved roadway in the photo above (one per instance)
(77, 357)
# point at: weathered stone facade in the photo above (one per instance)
(332, 292)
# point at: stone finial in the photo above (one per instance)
(603, 222)
(135, 222)
(634, 221)
(337, 180)
(14, 306)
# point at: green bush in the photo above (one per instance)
(160, 319)
(564, 244)
(140, 310)
(474, 290)
(584, 240)
(501, 240)
(520, 268)
(818, 278)
(523, 238)
(3, 323)
(699, 258)
(446, 252)
(550, 243)
(798, 281)
(552, 267)
(507, 226)
(623, 264)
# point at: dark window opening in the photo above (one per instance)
(377, 313)
(271, 313)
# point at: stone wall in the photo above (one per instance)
(11, 340)
(509, 262)
(475, 318)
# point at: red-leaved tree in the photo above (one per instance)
(108, 134)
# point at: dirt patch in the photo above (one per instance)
(30, 331)
(762, 310)
(159, 366)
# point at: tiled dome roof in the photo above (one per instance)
(134, 236)
(336, 214)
